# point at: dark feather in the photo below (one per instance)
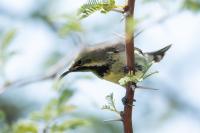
(159, 54)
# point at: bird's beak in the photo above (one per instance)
(64, 74)
(72, 69)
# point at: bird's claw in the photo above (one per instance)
(137, 68)
(125, 69)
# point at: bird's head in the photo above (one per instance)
(87, 61)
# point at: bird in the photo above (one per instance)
(108, 60)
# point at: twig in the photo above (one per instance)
(50, 74)
(146, 88)
(118, 10)
(129, 32)
(111, 120)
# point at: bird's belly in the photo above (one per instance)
(113, 77)
(116, 71)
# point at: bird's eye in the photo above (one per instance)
(79, 62)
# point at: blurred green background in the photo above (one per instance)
(39, 39)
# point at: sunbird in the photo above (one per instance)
(108, 61)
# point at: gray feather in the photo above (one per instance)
(159, 54)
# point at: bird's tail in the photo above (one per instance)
(159, 54)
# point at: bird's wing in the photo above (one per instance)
(110, 46)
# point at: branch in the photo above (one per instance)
(130, 89)
(129, 32)
(50, 74)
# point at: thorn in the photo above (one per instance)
(119, 35)
(122, 19)
(124, 16)
(130, 105)
(146, 88)
(118, 10)
(137, 34)
(111, 120)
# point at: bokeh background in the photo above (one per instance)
(39, 39)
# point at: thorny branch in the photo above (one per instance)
(130, 89)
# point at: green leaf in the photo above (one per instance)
(193, 5)
(64, 96)
(110, 104)
(48, 113)
(7, 39)
(26, 127)
(2, 116)
(65, 109)
(54, 109)
(92, 6)
(68, 124)
(45, 115)
(71, 26)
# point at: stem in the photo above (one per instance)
(130, 89)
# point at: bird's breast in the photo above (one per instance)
(116, 71)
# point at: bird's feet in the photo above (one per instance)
(137, 68)
(125, 69)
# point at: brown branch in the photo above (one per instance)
(130, 89)
(129, 32)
